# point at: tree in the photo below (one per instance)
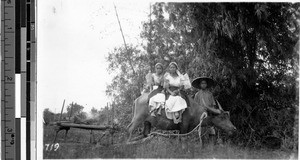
(94, 112)
(48, 116)
(128, 83)
(74, 109)
(248, 48)
(82, 115)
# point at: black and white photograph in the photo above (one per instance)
(170, 80)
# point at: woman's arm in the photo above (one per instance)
(168, 90)
(166, 86)
(149, 80)
(177, 91)
(151, 87)
(181, 87)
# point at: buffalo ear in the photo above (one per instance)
(227, 113)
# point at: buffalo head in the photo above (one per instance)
(223, 122)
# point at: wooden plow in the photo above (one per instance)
(67, 125)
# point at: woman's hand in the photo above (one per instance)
(176, 92)
(173, 93)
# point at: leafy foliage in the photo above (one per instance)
(250, 49)
(129, 81)
(74, 109)
(48, 116)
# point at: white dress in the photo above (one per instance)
(157, 80)
(159, 99)
(174, 103)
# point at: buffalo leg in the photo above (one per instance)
(130, 130)
(183, 140)
(133, 125)
(147, 128)
(212, 136)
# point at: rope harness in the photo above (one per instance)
(202, 117)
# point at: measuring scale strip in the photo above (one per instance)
(8, 79)
(18, 79)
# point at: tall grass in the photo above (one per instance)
(77, 146)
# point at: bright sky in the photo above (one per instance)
(74, 36)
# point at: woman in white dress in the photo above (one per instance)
(175, 104)
(157, 96)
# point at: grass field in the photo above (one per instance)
(77, 146)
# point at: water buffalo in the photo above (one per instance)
(190, 118)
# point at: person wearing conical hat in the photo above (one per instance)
(205, 99)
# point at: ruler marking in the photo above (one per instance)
(11, 23)
(7, 27)
(6, 120)
(8, 83)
